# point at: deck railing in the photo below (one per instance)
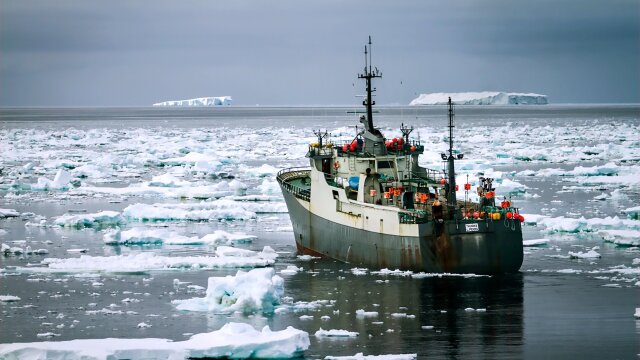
(284, 177)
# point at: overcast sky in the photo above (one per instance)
(135, 53)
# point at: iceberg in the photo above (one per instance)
(203, 101)
(232, 341)
(481, 98)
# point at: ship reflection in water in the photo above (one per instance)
(480, 316)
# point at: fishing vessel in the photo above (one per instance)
(369, 203)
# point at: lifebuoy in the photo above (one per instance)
(336, 165)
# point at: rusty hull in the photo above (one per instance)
(496, 247)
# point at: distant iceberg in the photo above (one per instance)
(203, 101)
(481, 98)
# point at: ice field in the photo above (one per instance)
(168, 225)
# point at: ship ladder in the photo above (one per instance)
(352, 163)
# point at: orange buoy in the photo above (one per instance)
(413, 148)
(509, 215)
(396, 192)
(442, 181)
(386, 195)
(495, 216)
(490, 194)
(521, 218)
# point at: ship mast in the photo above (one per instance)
(451, 196)
(374, 141)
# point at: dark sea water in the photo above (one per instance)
(556, 307)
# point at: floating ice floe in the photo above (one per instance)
(535, 242)
(335, 333)
(148, 261)
(291, 270)
(572, 225)
(11, 250)
(363, 314)
(591, 254)
(633, 212)
(137, 236)
(233, 341)
(104, 218)
(61, 181)
(246, 292)
(6, 213)
(361, 356)
(637, 314)
(621, 237)
(9, 298)
(168, 180)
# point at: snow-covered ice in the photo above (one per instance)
(246, 292)
(591, 254)
(233, 340)
(9, 298)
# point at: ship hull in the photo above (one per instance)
(491, 247)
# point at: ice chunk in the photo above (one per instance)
(335, 333)
(290, 270)
(167, 180)
(60, 182)
(233, 340)
(9, 298)
(637, 314)
(591, 254)
(535, 242)
(481, 98)
(362, 314)
(6, 213)
(246, 292)
(104, 218)
(621, 237)
(633, 212)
